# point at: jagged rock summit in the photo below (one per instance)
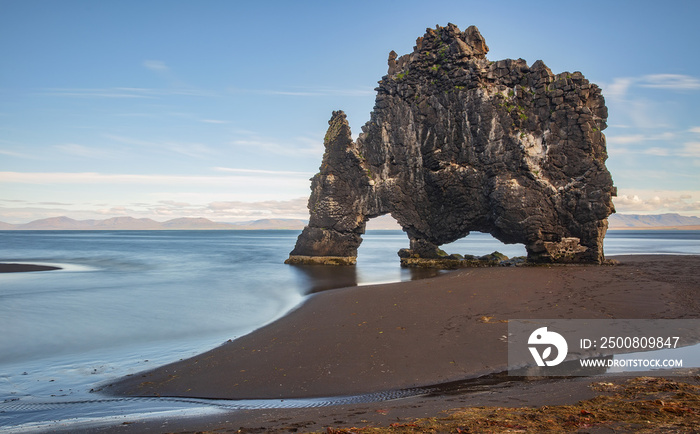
(457, 143)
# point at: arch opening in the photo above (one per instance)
(477, 249)
(376, 255)
(482, 244)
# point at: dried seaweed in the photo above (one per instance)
(643, 404)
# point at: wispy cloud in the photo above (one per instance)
(659, 152)
(227, 210)
(214, 121)
(163, 71)
(175, 85)
(691, 150)
(309, 92)
(633, 104)
(195, 150)
(175, 204)
(189, 149)
(294, 208)
(16, 154)
(88, 178)
(114, 92)
(638, 138)
(676, 82)
(621, 86)
(625, 140)
(85, 151)
(639, 144)
(125, 92)
(298, 146)
(155, 65)
(161, 210)
(116, 211)
(665, 144)
(261, 171)
(56, 203)
(657, 201)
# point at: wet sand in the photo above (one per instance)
(418, 333)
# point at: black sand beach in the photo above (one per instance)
(419, 333)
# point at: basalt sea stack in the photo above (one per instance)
(457, 143)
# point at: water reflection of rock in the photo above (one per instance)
(317, 278)
(23, 268)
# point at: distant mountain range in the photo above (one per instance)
(617, 221)
(637, 221)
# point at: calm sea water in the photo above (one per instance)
(126, 301)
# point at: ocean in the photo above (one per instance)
(126, 301)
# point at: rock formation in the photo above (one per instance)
(457, 143)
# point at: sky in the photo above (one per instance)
(217, 109)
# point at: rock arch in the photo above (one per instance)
(457, 143)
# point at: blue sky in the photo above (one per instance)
(218, 109)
